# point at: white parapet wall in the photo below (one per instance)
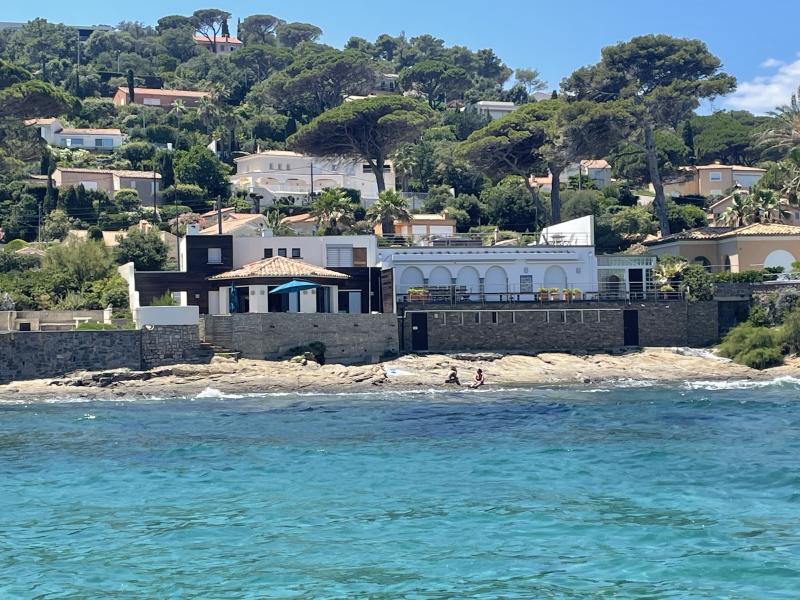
(166, 315)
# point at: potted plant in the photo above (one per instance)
(576, 293)
(544, 294)
(417, 294)
(554, 294)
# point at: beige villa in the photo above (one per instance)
(156, 97)
(422, 225)
(711, 180)
(110, 181)
(735, 249)
(790, 214)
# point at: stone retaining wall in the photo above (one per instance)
(41, 354)
(560, 326)
(348, 338)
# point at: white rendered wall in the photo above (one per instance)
(166, 315)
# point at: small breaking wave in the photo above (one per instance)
(743, 384)
(211, 392)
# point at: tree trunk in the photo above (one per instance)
(537, 202)
(659, 202)
(377, 168)
(555, 194)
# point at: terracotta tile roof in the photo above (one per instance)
(733, 167)
(201, 39)
(117, 172)
(766, 229)
(301, 218)
(170, 93)
(716, 233)
(213, 213)
(595, 164)
(279, 266)
(89, 131)
(232, 223)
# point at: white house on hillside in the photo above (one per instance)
(282, 175)
(494, 109)
(55, 134)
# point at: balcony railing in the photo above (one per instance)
(483, 239)
(456, 294)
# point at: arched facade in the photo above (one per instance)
(727, 263)
(411, 277)
(555, 277)
(495, 280)
(440, 276)
(780, 258)
(702, 260)
(470, 279)
(321, 184)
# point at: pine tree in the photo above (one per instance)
(688, 139)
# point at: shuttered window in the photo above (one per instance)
(359, 257)
(340, 256)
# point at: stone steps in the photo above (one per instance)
(209, 350)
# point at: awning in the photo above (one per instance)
(295, 285)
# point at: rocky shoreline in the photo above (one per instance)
(655, 365)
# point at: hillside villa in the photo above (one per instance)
(734, 249)
(596, 171)
(55, 134)
(711, 180)
(157, 97)
(288, 176)
(790, 214)
(146, 183)
(421, 226)
(225, 44)
(494, 109)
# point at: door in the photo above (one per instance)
(631, 327)
(419, 331)
(636, 281)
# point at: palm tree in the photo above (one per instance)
(768, 206)
(389, 207)
(274, 222)
(667, 271)
(333, 211)
(207, 111)
(740, 212)
(785, 132)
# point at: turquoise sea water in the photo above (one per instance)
(627, 492)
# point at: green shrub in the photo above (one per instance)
(165, 299)
(315, 348)
(759, 316)
(743, 277)
(15, 245)
(755, 347)
(790, 332)
(761, 358)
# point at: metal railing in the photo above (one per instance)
(483, 239)
(455, 294)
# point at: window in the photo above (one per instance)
(215, 256)
(73, 142)
(494, 318)
(715, 176)
(368, 169)
(526, 284)
(103, 143)
(339, 256)
(151, 101)
(271, 167)
(359, 257)
(89, 185)
(267, 252)
(282, 252)
(295, 252)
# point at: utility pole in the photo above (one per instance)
(155, 195)
(312, 181)
(39, 228)
(219, 215)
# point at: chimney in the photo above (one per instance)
(192, 229)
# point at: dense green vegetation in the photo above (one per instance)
(286, 89)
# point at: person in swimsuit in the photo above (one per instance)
(478, 381)
(453, 377)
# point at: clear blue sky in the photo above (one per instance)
(757, 41)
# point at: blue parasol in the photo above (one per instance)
(295, 285)
(233, 300)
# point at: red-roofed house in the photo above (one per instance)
(55, 134)
(224, 44)
(155, 97)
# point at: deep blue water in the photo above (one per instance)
(567, 493)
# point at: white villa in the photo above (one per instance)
(55, 134)
(288, 176)
(494, 109)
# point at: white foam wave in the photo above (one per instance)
(210, 392)
(743, 384)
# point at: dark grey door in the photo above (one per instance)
(419, 331)
(631, 327)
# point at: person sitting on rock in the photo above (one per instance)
(479, 380)
(453, 377)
